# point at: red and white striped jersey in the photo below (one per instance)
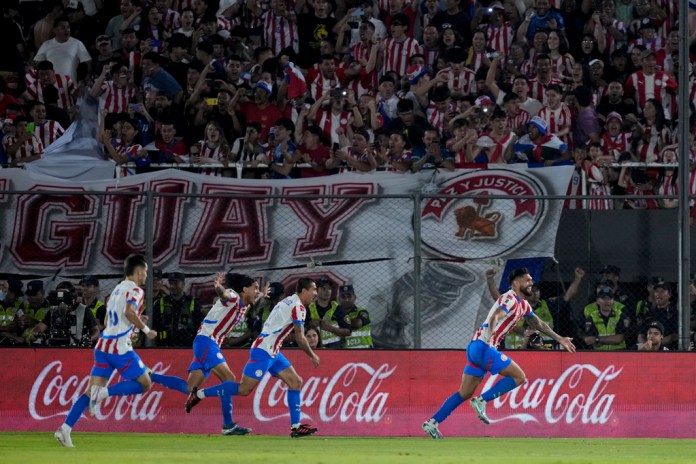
(279, 324)
(116, 99)
(537, 89)
(515, 309)
(437, 118)
(329, 122)
(279, 33)
(598, 185)
(223, 317)
(464, 81)
(521, 119)
(500, 37)
(658, 43)
(475, 59)
(116, 336)
(64, 84)
(183, 4)
(558, 119)
(562, 65)
(48, 132)
(616, 145)
(656, 86)
(170, 19)
(575, 187)
(649, 151)
(321, 85)
(29, 148)
(360, 51)
(495, 149)
(611, 44)
(397, 53)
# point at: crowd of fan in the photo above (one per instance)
(305, 88)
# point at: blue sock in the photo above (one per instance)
(294, 406)
(128, 387)
(225, 388)
(448, 406)
(170, 381)
(226, 402)
(77, 409)
(501, 387)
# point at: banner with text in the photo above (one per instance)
(284, 230)
(377, 393)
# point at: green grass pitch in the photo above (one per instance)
(41, 447)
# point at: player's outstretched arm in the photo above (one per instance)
(222, 293)
(303, 344)
(536, 323)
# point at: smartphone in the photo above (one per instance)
(358, 12)
(335, 147)
(137, 107)
(31, 127)
(211, 101)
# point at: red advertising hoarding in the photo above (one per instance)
(376, 393)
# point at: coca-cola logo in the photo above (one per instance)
(53, 394)
(352, 394)
(563, 399)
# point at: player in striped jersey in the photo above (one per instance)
(114, 350)
(483, 356)
(234, 298)
(287, 316)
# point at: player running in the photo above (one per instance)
(482, 355)
(114, 350)
(238, 293)
(265, 356)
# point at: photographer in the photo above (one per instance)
(68, 322)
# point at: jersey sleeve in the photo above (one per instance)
(528, 311)
(506, 302)
(298, 314)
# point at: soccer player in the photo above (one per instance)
(288, 315)
(114, 349)
(238, 293)
(483, 356)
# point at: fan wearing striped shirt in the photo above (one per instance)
(46, 130)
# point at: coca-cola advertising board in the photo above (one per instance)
(376, 393)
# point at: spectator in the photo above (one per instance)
(496, 145)
(312, 28)
(325, 315)
(561, 61)
(314, 153)
(313, 338)
(12, 44)
(12, 303)
(539, 84)
(104, 56)
(129, 16)
(22, 146)
(586, 128)
(176, 316)
(65, 52)
(282, 151)
(354, 155)
(431, 154)
(543, 17)
(397, 48)
(115, 85)
(654, 338)
(213, 149)
(158, 78)
(538, 146)
(125, 146)
(664, 312)
(557, 115)
(651, 84)
(250, 152)
(43, 28)
(48, 77)
(46, 131)
(172, 149)
(650, 132)
(260, 110)
(604, 326)
(454, 16)
(82, 27)
(398, 157)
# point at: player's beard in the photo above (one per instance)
(526, 291)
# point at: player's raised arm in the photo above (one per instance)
(536, 323)
(218, 284)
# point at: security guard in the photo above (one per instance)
(359, 319)
(326, 315)
(604, 323)
(12, 302)
(177, 316)
(37, 305)
(90, 298)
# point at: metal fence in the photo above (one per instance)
(423, 282)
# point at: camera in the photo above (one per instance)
(493, 55)
(58, 297)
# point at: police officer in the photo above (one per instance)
(360, 336)
(37, 305)
(604, 323)
(12, 302)
(176, 315)
(325, 314)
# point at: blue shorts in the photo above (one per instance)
(261, 362)
(206, 355)
(482, 358)
(128, 365)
